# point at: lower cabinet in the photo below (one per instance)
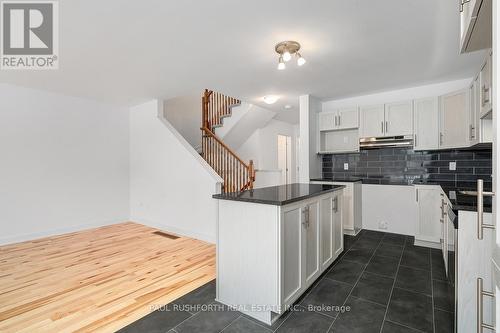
(312, 239)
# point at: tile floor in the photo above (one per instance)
(388, 284)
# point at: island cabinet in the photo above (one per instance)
(268, 254)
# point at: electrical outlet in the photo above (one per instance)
(346, 166)
(382, 225)
(453, 166)
(453, 195)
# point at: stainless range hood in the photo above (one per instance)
(386, 142)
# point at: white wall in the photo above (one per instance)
(310, 162)
(63, 164)
(171, 186)
(184, 113)
(398, 95)
(262, 147)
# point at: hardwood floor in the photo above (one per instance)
(97, 280)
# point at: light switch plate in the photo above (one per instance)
(453, 166)
(346, 166)
(453, 195)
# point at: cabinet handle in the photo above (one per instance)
(480, 292)
(382, 123)
(472, 134)
(441, 138)
(480, 209)
(415, 143)
(386, 126)
(335, 204)
(486, 95)
(306, 217)
(335, 120)
(416, 194)
(339, 119)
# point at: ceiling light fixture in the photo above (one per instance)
(270, 99)
(286, 50)
(287, 107)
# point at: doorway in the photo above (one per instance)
(285, 158)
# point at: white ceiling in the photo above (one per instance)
(126, 52)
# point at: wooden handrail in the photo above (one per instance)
(237, 175)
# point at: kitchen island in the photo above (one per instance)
(273, 243)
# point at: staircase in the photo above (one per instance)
(237, 175)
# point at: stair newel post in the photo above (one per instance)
(251, 174)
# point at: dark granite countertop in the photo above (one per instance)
(338, 179)
(279, 195)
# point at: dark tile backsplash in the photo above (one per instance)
(403, 166)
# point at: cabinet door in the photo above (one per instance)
(454, 114)
(348, 118)
(429, 215)
(399, 118)
(327, 121)
(426, 122)
(338, 230)
(326, 232)
(474, 113)
(372, 121)
(311, 233)
(485, 78)
(292, 243)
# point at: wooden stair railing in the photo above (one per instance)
(237, 175)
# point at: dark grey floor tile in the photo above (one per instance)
(213, 320)
(327, 295)
(244, 325)
(361, 256)
(383, 266)
(374, 288)
(394, 239)
(201, 296)
(443, 295)
(366, 243)
(372, 234)
(346, 271)
(410, 240)
(414, 279)
(305, 322)
(348, 241)
(416, 257)
(363, 317)
(411, 309)
(389, 250)
(396, 328)
(444, 321)
(438, 269)
(157, 322)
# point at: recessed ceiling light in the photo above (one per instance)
(288, 107)
(270, 99)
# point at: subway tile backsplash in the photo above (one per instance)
(402, 165)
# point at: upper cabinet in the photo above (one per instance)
(372, 120)
(426, 123)
(392, 119)
(339, 119)
(399, 119)
(485, 91)
(454, 120)
(475, 25)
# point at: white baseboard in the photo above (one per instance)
(168, 228)
(56, 231)
(432, 245)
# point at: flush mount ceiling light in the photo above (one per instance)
(270, 99)
(286, 51)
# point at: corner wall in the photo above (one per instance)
(171, 186)
(63, 164)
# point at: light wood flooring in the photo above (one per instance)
(97, 280)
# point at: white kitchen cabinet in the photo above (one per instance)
(372, 121)
(311, 233)
(429, 224)
(351, 205)
(338, 235)
(475, 25)
(347, 118)
(399, 119)
(345, 141)
(485, 89)
(473, 262)
(454, 120)
(426, 123)
(292, 253)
